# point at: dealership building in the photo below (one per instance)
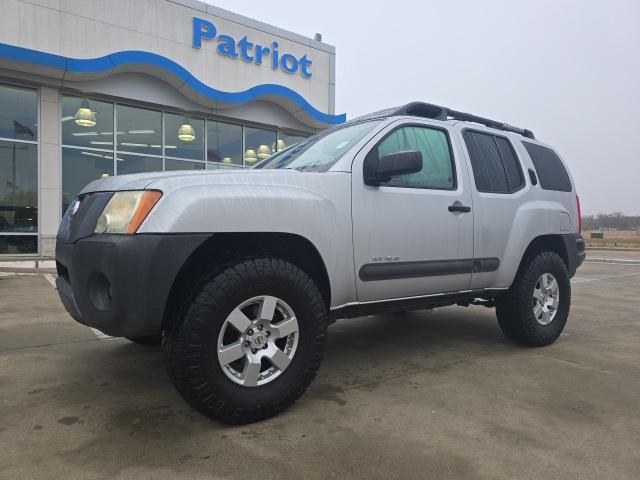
(94, 88)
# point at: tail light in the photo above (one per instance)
(579, 214)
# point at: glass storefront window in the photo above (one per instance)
(170, 165)
(80, 167)
(139, 130)
(87, 123)
(287, 139)
(224, 143)
(18, 187)
(18, 244)
(18, 113)
(259, 144)
(137, 164)
(183, 136)
(221, 166)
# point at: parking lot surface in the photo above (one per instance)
(439, 394)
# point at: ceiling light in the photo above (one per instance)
(85, 117)
(186, 133)
(250, 156)
(264, 152)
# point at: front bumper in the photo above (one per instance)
(120, 284)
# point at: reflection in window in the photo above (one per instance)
(137, 164)
(286, 140)
(224, 143)
(18, 113)
(139, 130)
(18, 244)
(87, 123)
(259, 144)
(437, 164)
(18, 187)
(81, 167)
(221, 166)
(171, 165)
(183, 136)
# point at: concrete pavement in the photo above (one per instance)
(438, 394)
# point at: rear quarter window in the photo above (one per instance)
(549, 167)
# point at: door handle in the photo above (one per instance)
(459, 207)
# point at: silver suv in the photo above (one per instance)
(239, 273)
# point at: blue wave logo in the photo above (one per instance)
(122, 61)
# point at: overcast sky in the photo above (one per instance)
(568, 70)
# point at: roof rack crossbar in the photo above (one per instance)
(436, 112)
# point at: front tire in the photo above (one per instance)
(535, 309)
(249, 340)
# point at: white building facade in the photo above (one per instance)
(90, 88)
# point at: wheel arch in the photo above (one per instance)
(545, 243)
(223, 247)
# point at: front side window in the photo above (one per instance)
(495, 166)
(437, 163)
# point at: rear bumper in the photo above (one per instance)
(574, 244)
(120, 284)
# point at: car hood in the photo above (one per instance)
(141, 181)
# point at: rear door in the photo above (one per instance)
(407, 242)
(499, 190)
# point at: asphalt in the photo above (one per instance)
(438, 394)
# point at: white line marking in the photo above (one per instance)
(99, 334)
(612, 260)
(51, 279)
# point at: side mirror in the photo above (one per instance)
(392, 165)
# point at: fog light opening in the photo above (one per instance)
(99, 291)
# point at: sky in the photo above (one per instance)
(567, 69)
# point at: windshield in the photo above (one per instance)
(319, 152)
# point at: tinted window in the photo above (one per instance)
(139, 130)
(551, 172)
(19, 112)
(511, 165)
(18, 187)
(183, 136)
(224, 143)
(87, 123)
(496, 168)
(137, 164)
(437, 164)
(80, 167)
(260, 144)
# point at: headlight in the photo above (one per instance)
(126, 210)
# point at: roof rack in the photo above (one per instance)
(436, 112)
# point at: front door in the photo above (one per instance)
(407, 240)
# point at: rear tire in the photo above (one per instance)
(535, 309)
(225, 311)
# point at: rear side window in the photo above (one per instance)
(551, 171)
(496, 168)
